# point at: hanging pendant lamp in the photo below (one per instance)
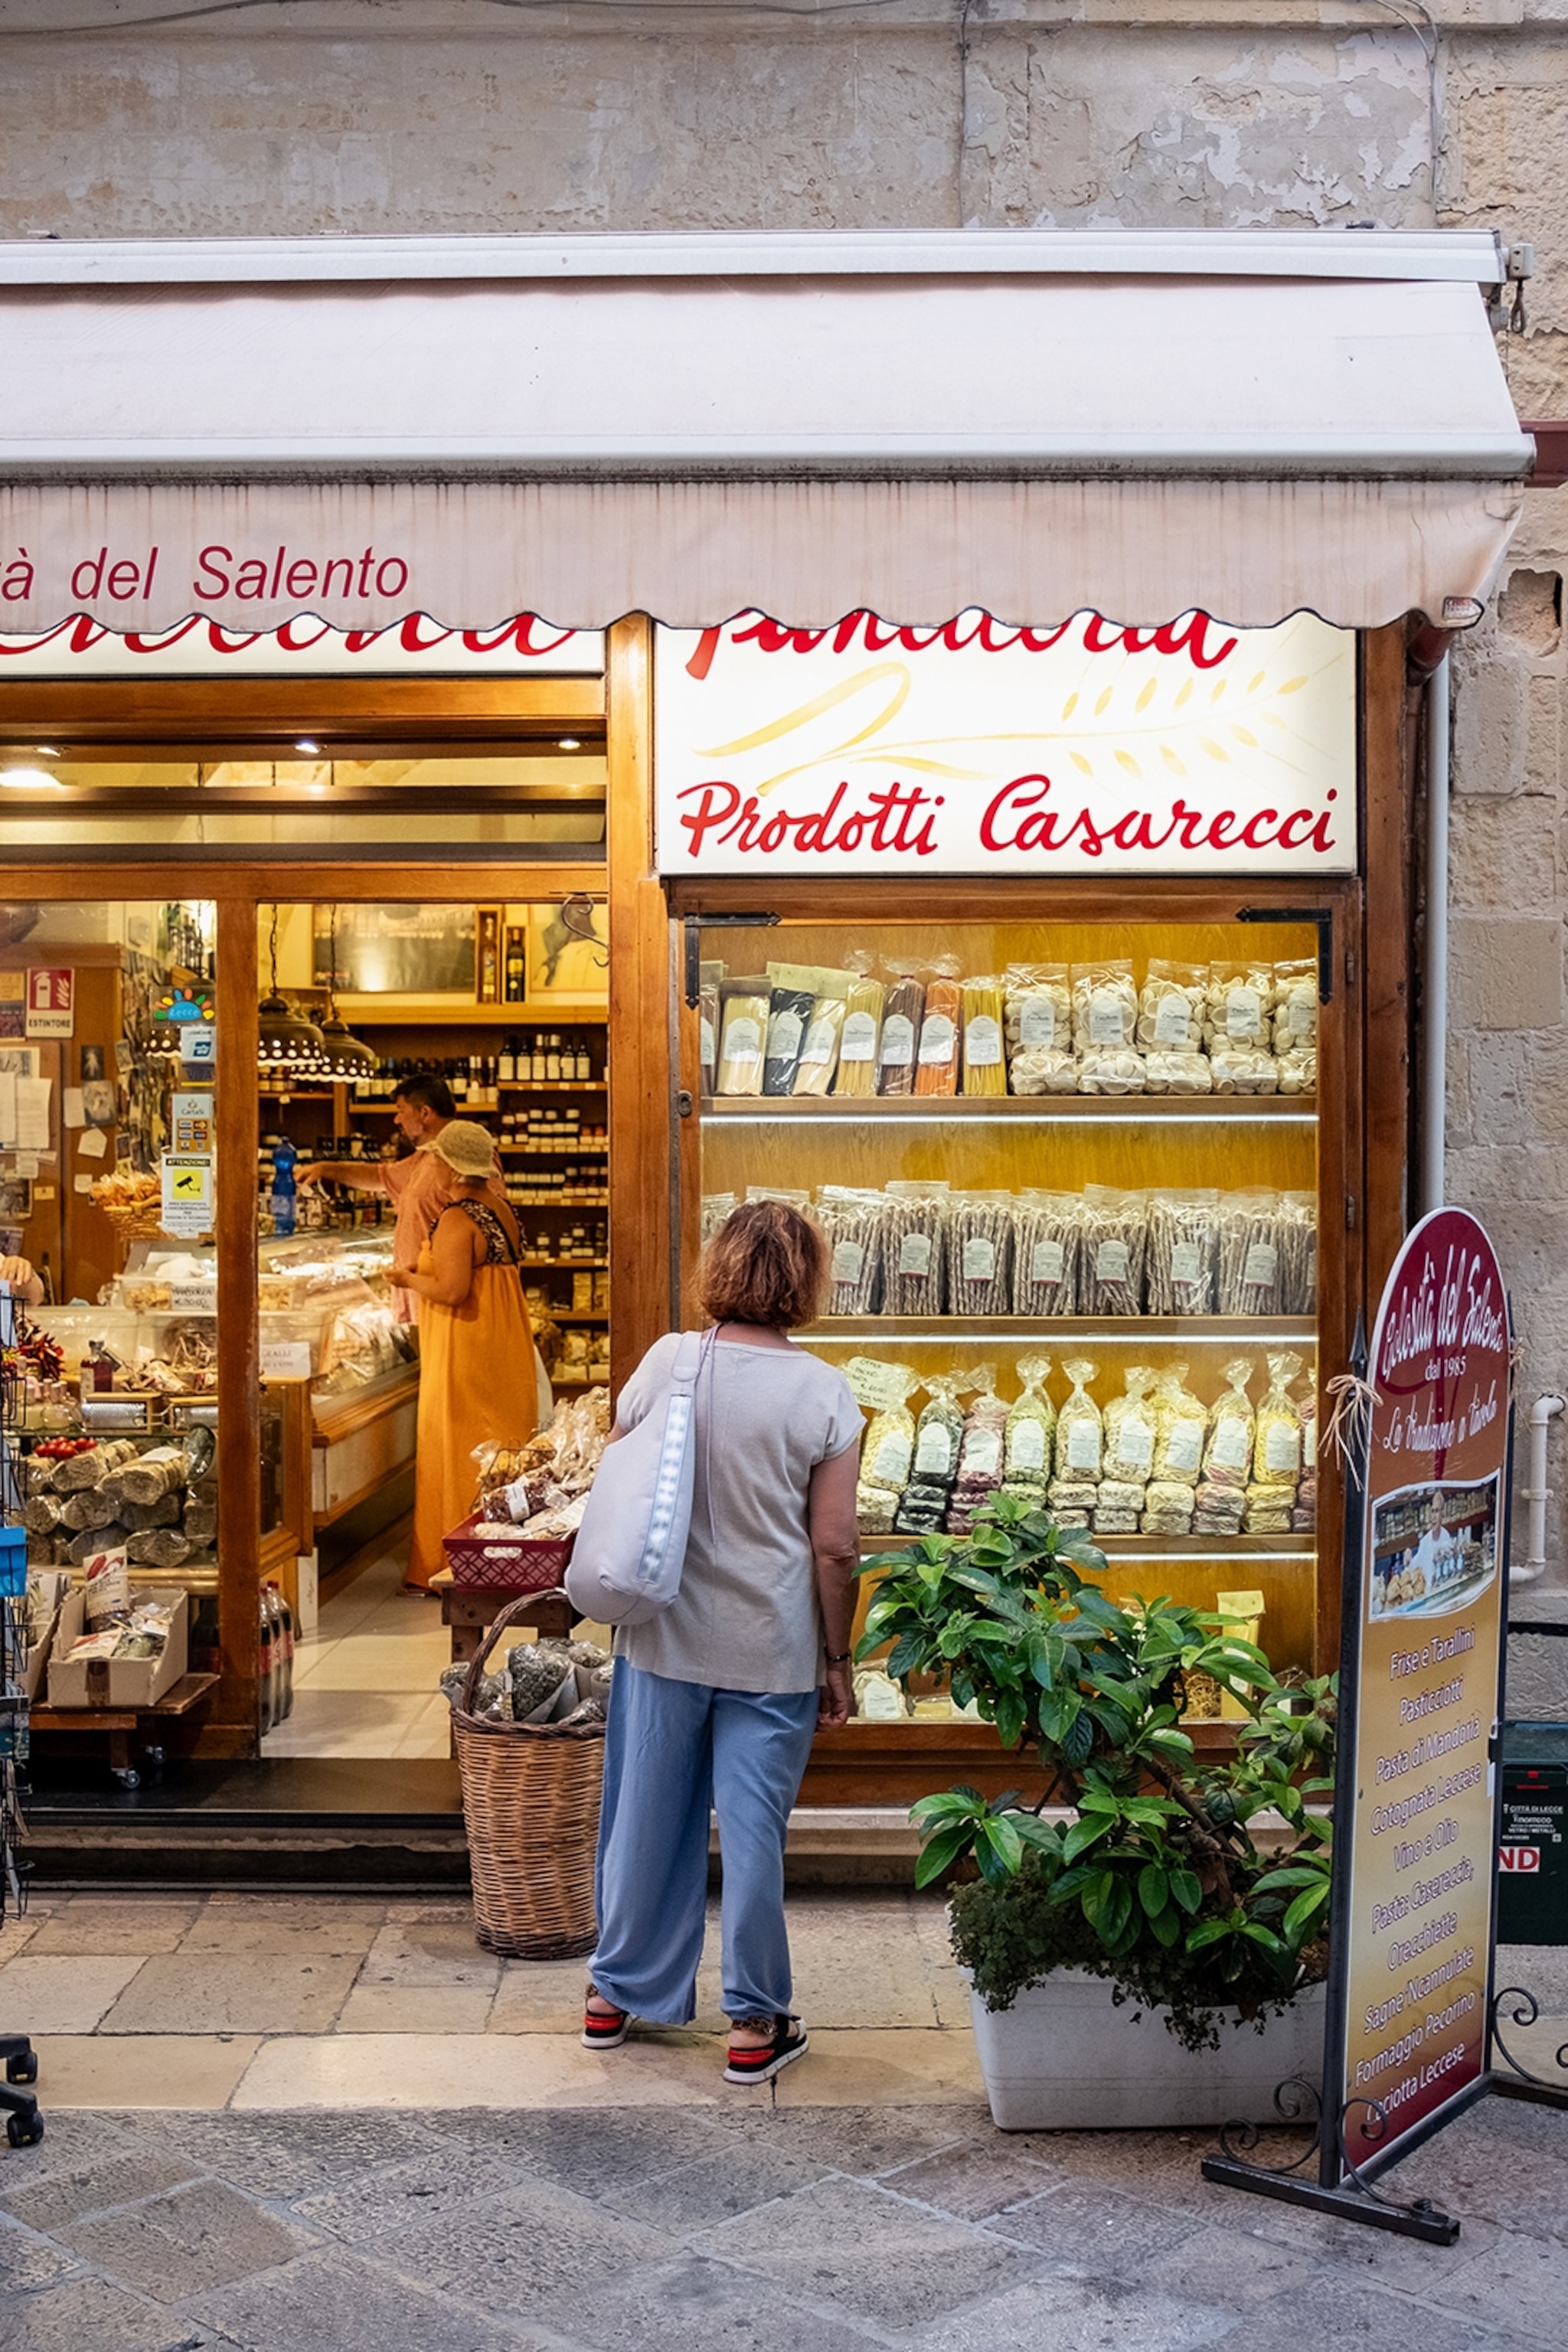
(286, 1040)
(343, 1055)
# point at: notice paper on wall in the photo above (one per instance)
(7, 1109)
(94, 1144)
(33, 1114)
(71, 1106)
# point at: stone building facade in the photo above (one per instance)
(462, 116)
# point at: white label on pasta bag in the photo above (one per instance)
(1301, 1016)
(1135, 1444)
(860, 1039)
(1281, 1448)
(1026, 1446)
(819, 1047)
(933, 1455)
(1112, 1262)
(1243, 1012)
(742, 1040)
(897, 1042)
(1038, 1020)
(981, 1453)
(1232, 1444)
(938, 1037)
(1185, 1445)
(982, 1042)
(978, 1260)
(1083, 1444)
(1262, 1270)
(783, 1036)
(1186, 1266)
(1173, 1019)
(1047, 1262)
(848, 1260)
(1107, 1018)
(705, 1043)
(914, 1254)
(890, 1463)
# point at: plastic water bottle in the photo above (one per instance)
(285, 1191)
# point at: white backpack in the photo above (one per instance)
(630, 1551)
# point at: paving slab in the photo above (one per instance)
(119, 2177)
(399, 2196)
(338, 2303)
(202, 2236)
(28, 2260)
(432, 1953)
(867, 2141)
(61, 1992)
(1055, 2314)
(593, 2153)
(976, 2180)
(438, 2070)
(256, 1923)
(734, 2180)
(1103, 2232)
(691, 2305)
(93, 2312)
(232, 1992)
(409, 2009)
(91, 1924)
(287, 2157)
(98, 2071)
(532, 2251)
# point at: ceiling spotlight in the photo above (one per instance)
(313, 750)
(570, 744)
(30, 780)
(47, 750)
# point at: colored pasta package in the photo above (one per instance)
(743, 1037)
(1239, 1010)
(984, 1066)
(1171, 1008)
(1227, 1455)
(862, 1033)
(1072, 1501)
(1244, 1070)
(923, 1510)
(1042, 1070)
(980, 1453)
(819, 1047)
(1130, 1430)
(1294, 1005)
(914, 1247)
(1218, 1510)
(1036, 1009)
(1178, 1073)
(936, 1067)
(1277, 1440)
(1269, 1510)
(903, 1009)
(1298, 1253)
(1183, 1252)
(789, 1011)
(1115, 1241)
(1081, 1430)
(1030, 1430)
(939, 1433)
(1181, 1426)
(1104, 1006)
(980, 1253)
(1112, 1070)
(851, 1222)
(1250, 1254)
(1048, 1235)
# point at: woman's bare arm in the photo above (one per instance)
(835, 1550)
(452, 1248)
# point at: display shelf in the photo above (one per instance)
(570, 1264)
(1226, 1551)
(556, 1150)
(577, 1314)
(1101, 1332)
(562, 1200)
(1056, 1110)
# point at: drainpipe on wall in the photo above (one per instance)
(1427, 661)
(1537, 1494)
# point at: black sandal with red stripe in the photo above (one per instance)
(761, 2063)
(604, 2029)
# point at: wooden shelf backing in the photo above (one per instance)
(578, 1314)
(1046, 1110)
(1301, 1547)
(430, 1012)
(1129, 1331)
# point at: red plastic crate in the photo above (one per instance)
(513, 1564)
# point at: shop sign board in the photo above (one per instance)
(1415, 1814)
(51, 1001)
(523, 645)
(186, 1212)
(191, 1118)
(979, 748)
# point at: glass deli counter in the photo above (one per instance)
(1071, 1177)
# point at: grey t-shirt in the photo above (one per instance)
(746, 1615)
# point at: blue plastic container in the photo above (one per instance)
(12, 1563)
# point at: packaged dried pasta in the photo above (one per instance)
(1277, 1444)
(1297, 1070)
(1118, 1507)
(789, 1011)
(939, 1433)
(1081, 1430)
(1111, 1070)
(1181, 1425)
(861, 1037)
(980, 1253)
(1071, 1502)
(743, 1035)
(1240, 1005)
(1298, 1253)
(1042, 1070)
(936, 1068)
(1244, 1070)
(1171, 1008)
(1037, 1009)
(1104, 1005)
(819, 1047)
(1115, 1239)
(888, 1448)
(1168, 1506)
(1218, 1510)
(1250, 1232)
(1183, 1249)
(710, 976)
(979, 1454)
(716, 1207)
(1130, 1430)
(1048, 1234)
(875, 1509)
(1031, 1427)
(1295, 1004)
(903, 1009)
(1228, 1456)
(914, 1247)
(984, 1069)
(851, 1222)
(1177, 1074)
(1269, 1510)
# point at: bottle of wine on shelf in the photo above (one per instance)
(516, 967)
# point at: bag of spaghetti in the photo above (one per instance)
(1030, 1432)
(1130, 1430)
(1081, 1430)
(1276, 1443)
(1228, 1456)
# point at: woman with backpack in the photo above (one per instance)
(716, 1699)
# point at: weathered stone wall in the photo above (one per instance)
(462, 116)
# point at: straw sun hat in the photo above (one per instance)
(468, 1149)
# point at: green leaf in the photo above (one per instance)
(1113, 1912)
(1304, 1910)
(1153, 1889)
(1165, 1928)
(1208, 1931)
(998, 1832)
(1259, 1935)
(945, 1847)
(906, 1655)
(1079, 1836)
(951, 1802)
(1036, 1832)
(1077, 1739)
(1297, 1875)
(1010, 1715)
(1187, 1888)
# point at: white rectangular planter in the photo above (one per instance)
(1066, 2058)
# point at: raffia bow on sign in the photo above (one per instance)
(1350, 1423)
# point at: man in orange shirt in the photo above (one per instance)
(421, 1108)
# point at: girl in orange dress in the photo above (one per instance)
(477, 1378)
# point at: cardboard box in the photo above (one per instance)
(34, 1659)
(117, 1682)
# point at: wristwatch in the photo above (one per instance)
(842, 1659)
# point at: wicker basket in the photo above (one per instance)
(530, 1801)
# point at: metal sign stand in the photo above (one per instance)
(1343, 2187)
(24, 2125)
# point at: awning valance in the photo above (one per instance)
(693, 427)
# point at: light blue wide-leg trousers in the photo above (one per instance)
(672, 1751)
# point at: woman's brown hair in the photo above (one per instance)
(766, 1264)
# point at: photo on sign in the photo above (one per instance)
(90, 1063)
(15, 1200)
(1434, 1548)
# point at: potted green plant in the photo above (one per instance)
(1159, 1896)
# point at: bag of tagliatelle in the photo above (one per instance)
(1031, 1428)
(1081, 1430)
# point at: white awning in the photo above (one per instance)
(1030, 423)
